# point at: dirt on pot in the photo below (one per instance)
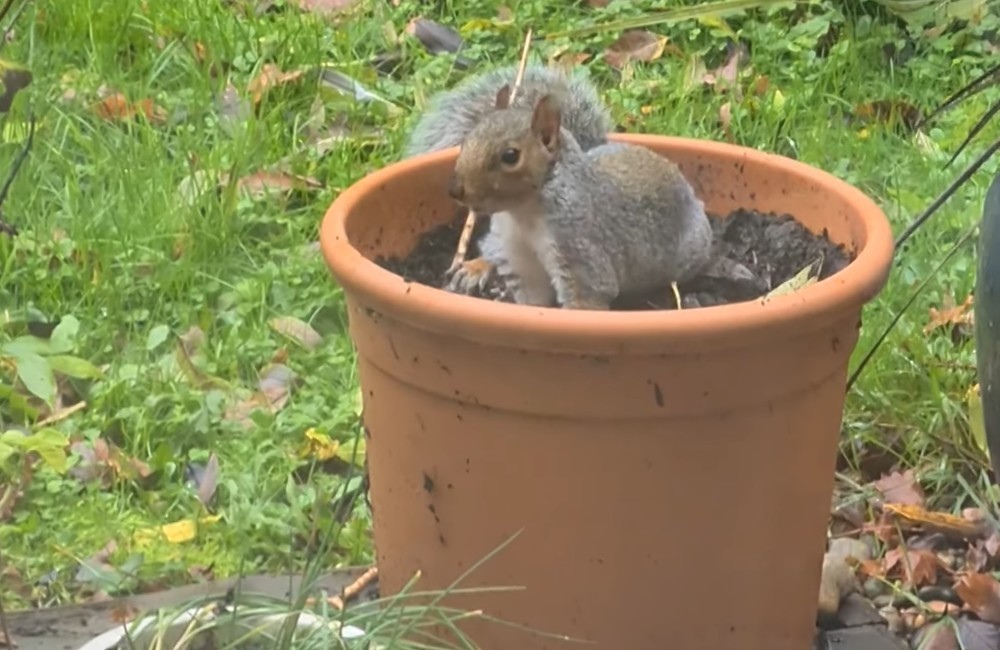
(773, 248)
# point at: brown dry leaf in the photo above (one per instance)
(909, 517)
(273, 392)
(598, 4)
(950, 314)
(726, 119)
(761, 85)
(889, 111)
(725, 75)
(324, 7)
(298, 330)
(981, 594)
(900, 488)
(916, 567)
(117, 107)
(566, 60)
(635, 45)
(270, 76)
(260, 183)
(977, 559)
(124, 613)
(992, 544)
(105, 462)
(208, 480)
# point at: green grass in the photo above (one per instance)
(106, 237)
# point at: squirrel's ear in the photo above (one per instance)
(545, 122)
(503, 97)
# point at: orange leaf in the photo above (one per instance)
(270, 76)
(918, 567)
(117, 107)
(950, 314)
(981, 593)
(900, 488)
(909, 517)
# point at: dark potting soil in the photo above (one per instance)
(773, 248)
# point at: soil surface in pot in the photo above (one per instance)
(773, 248)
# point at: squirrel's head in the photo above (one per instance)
(505, 159)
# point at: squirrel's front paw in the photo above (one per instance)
(470, 276)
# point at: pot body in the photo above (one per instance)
(655, 480)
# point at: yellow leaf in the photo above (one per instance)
(345, 452)
(716, 22)
(863, 134)
(318, 445)
(798, 281)
(779, 99)
(176, 532)
(977, 425)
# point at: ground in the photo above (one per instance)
(191, 301)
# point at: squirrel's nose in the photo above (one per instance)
(455, 189)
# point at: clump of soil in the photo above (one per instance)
(773, 248)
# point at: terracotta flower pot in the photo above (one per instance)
(671, 472)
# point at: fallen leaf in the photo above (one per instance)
(900, 488)
(318, 445)
(801, 280)
(725, 120)
(273, 392)
(324, 7)
(207, 479)
(105, 462)
(937, 637)
(726, 75)
(977, 559)
(635, 45)
(598, 4)
(298, 330)
(889, 111)
(270, 76)
(981, 594)
(916, 567)
(761, 85)
(950, 314)
(116, 107)
(565, 60)
(261, 183)
(176, 532)
(908, 517)
(977, 422)
(123, 613)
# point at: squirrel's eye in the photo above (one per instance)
(510, 156)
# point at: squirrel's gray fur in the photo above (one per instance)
(573, 226)
(452, 114)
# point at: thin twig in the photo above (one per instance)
(470, 221)
(351, 590)
(913, 296)
(62, 414)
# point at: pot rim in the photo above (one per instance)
(488, 321)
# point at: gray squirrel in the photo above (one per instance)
(453, 114)
(569, 225)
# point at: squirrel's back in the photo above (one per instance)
(452, 114)
(654, 226)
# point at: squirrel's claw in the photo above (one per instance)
(470, 276)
